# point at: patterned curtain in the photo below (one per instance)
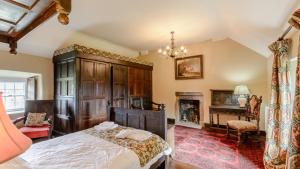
(293, 156)
(283, 134)
(278, 131)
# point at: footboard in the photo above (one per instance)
(149, 120)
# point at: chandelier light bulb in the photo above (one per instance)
(172, 50)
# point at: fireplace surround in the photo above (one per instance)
(189, 109)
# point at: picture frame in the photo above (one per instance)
(189, 67)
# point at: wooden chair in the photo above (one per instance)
(251, 122)
(37, 106)
(145, 103)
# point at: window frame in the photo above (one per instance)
(15, 80)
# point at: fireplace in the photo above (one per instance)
(189, 109)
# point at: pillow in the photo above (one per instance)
(134, 134)
(35, 119)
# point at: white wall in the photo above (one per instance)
(31, 64)
(226, 64)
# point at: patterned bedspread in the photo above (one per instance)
(145, 150)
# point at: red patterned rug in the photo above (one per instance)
(210, 150)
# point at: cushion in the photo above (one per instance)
(241, 125)
(35, 132)
(35, 119)
(134, 134)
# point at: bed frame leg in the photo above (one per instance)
(162, 165)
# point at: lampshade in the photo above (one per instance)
(12, 141)
(241, 90)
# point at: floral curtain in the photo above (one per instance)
(283, 133)
(279, 112)
(293, 156)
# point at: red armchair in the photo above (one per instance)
(38, 106)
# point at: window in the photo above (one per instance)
(13, 95)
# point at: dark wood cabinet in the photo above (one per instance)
(94, 93)
(139, 86)
(140, 82)
(64, 72)
(119, 86)
(87, 81)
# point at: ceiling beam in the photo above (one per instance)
(62, 7)
(4, 38)
(46, 14)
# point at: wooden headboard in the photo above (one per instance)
(153, 121)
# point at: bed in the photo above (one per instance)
(91, 149)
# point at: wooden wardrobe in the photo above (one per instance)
(88, 81)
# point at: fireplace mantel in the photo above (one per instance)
(188, 94)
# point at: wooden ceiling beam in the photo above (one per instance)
(62, 7)
(4, 38)
(46, 14)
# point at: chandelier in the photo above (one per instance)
(172, 51)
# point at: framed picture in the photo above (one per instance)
(189, 67)
(223, 97)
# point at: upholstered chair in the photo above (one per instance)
(37, 106)
(251, 122)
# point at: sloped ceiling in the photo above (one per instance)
(138, 25)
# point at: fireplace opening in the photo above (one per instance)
(189, 110)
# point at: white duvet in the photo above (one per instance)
(77, 151)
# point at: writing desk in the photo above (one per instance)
(225, 109)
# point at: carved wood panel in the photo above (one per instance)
(84, 85)
(65, 96)
(139, 82)
(94, 87)
(148, 83)
(119, 86)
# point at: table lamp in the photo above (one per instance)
(12, 141)
(242, 91)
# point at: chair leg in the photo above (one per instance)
(228, 134)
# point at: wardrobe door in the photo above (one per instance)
(101, 91)
(94, 95)
(140, 87)
(147, 92)
(119, 86)
(64, 72)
